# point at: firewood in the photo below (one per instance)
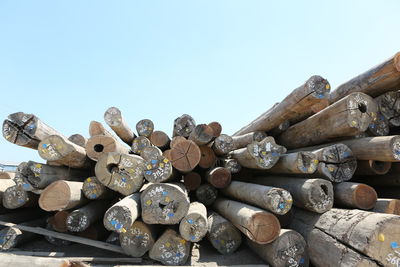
(185, 155)
(159, 170)
(301, 162)
(202, 134)
(98, 145)
(93, 189)
(164, 203)
(140, 143)
(354, 195)
(258, 225)
(78, 139)
(387, 205)
(208, 158)
(144, 127)
(138, 238)
(374, 82)
(193, 227)
(232, 165)
(80, 219)
(121, 172)
(379, 126)
(216, 127)
(62, 195)
(219, 177)
(26, 130)
(170, 249)
(222, 234)
(345, 118)
(206, 194)
(372, 167)
(223, 144)
(15, 197)
(160, 140)
(272, 199)
(183, 126)
(289, 249)
(192, 180)
(114, 119)
(120, 217)
(240, 141)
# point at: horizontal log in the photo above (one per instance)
(219, 177)
(285, 125)
(175, 140)
(183, 125)
(4, 185)
(15, 197)
(354, 195)
(96, 128)
(151, 152)
(193, 227)
(372, 167)
(185, 155)
(93, 189)
(202, 134)
(144, 127)
(80, 219)
(159, 170)
(58, 221)
(208, 158)
(379, 126)
(301, 162)
(62, 195)
(387, 205)
(389, 107)
(78, 139)
(192, 180)
(223, 144)
(240, 141)
(160, 140)
(98, 145)
(138, 239)
(216, 127)
(206, 194)
(139, 144)
(113, 117)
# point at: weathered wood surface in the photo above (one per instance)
(185, 155)
(152, 152)
(193, 227)
(175, 140)
(202, 134)
(286, 124)
(379, 126)
(240, 141)
(160, 140)
(372, 167)
(114, 119)
(192, 180)
(15, 197)
(208, 158)
(98, 145)
(232, 165)
(4, 175)
(96, 128)
(373, 82)
(354, 195)
(206, 194)
(58, 221)
(78, 139)
(389, 107)
(387, 205)
(346, 118)
(139, 144)
(144, 127)
(19, 260)
(183, 126)
(223, 144)
(258, 225)
(4, 185)
(219, 177)
(159, 170)
(295, 107)
(301, 162)
(80, 219)
(138, 238)
(216, 127)
(273, 199)
(93, 189)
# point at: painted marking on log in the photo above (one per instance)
(394, 245)
(291, 254)
(381, 237)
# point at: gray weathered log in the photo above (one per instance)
(183, 125)
(144, 127)
(387, 205)
(114, 119)
(93, 189)
(193, 227)
(206, 194)
(78, 139)
(140, 143)
(223, 144)
(301, 162)
(80, 219)
(138, 239)
(15, 197)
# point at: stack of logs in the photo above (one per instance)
(334, 156)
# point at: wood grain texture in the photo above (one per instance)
(113, 117)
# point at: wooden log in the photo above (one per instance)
(222, 234)
(192, 181)
(120, 217)
(259, 155)
(144, 127)
(272, 199)
(121, 172)
(216, 127)
(301, 162)
(223, 144)
(219, 177)
(4, 185)
(138, 239)
(312, 194)
(389, 107)
(379, 126)
(62, 195)
(80, 219)
(113, 238)
(176, 140)
(113, 117)
(151, 152)
(185, 156)
(164, 203)
(354, 195)
(240, 141)
(345, 118)
(4, 175)
(21, 178)
(193, 227)
(206, 194)
(374, 82)
(159, 170)
(387, 205)
(289, 249)
(93, 189)
(202, 134)
(19, 260)
(232, 165)
(99, 145)
(15, 197)
(208, 158)
(78, 139)
(170, 249)
(139, 144)
(26, 130)
(160, 140)
(372, 167)
(183, 126)
(283, 127)
(58, 221)
(96, 128)
(295, 107)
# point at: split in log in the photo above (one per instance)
(78, 139)
(222, 234)
(120, 172)
(289, 249)
(160, 140)
(159, 170)
(379, 126)
(26, 130)
(138, 239)
(164, 203)
(387, 205)
(354, 195)
(345, 118)
(240, 141)
(192, 181)
(258, 225)
(219, 177)
(389, 106)
(208, 158)
(114, 119)
(140, 143)
(193, 227)
(93, 189)
(294, 108)
(58, 221)
(373, 82)
(185, 155)
(144, 127)
(216, 127)
(96, 128)
(202, 134)
(372, 167)
(259, 155)
(120, 217)
(170, 249)
(151, 152)
(231, 164)
(223, 144)
(62, 195)
(15, 197)
(176, 140)
(80, 219)
(273, 199)
(301, 162)
(99, 145)
(206, 194)
(183, 126)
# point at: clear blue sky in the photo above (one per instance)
(229, 61)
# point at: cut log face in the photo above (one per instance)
(185, 156)
(202, 134)
(123, 214)
(151, 152)
(58, 222)
(158, 170)
(114, 119)
(372, 167)
(232, 165)
(121, 172)
(15, 197)
(354, 195)
(240, 141)
(78, 139)
(138, 239)
(345, 118)
(94, 189)
(26, 130)
(206, 194)
(223, 144)
(80, 219)
(96, 128)
(160, 140)
(139, 144)
(99, 145)
(193, 227)
(170, 249)
(216, 127)
(387, 205)
(144, 127)
(192, 181)
(379, 126)
(219, 177)
(208, 158)
(164, 203)
(222, 234)
(389, 106)
(301, 162)
(176, 140)
(183, 125)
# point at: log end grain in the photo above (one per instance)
(158, 170)
(280, 201)
(139, 144)
(192, 181)
(362, 108)
(216, 127)
(98, 145)
(184, 125)
(219, 177)
(185, 156)
(145, 127)
(264, 228)
(202, 134)
(319, 87)
(55, 197)
(208, 157)
(223, 144)
(138, 239)
(206, 194)
(365, 197)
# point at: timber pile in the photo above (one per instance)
(316, 173)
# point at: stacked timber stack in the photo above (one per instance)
(317, 172)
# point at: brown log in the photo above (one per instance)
(372, 167)
(376, 81)
(139, 144)
(98, 145)
(289, 249)
(114, 119)
(216, 127)
(170, 249)
(272, 199)
(185, 156)
(138, 239)
(202, 134)
(62, 195)
(208, 158)
(176, 140)
(144, 127)
(232, 165)
(183, 126)
(387, 205)
(295, 163)
(219, 177)
(93, 189)
(379, 126)
(164, 203)
(15, 197)
(192, 180)
(193, 227)
(159, 170)
(222, 234)
(6, 175)
(160, 139)
(78, 139)
(58, 221)
(167, 154)
(295, 107)
(240, 141)
(223, 144)
(80, 219)
(389, 107)
(345, 118)
(120, 217)
(26, 130)
(206, 194)
(259, 155)
(121, 172)
(96, 128)
(354, 195)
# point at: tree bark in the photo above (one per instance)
(114, 119)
